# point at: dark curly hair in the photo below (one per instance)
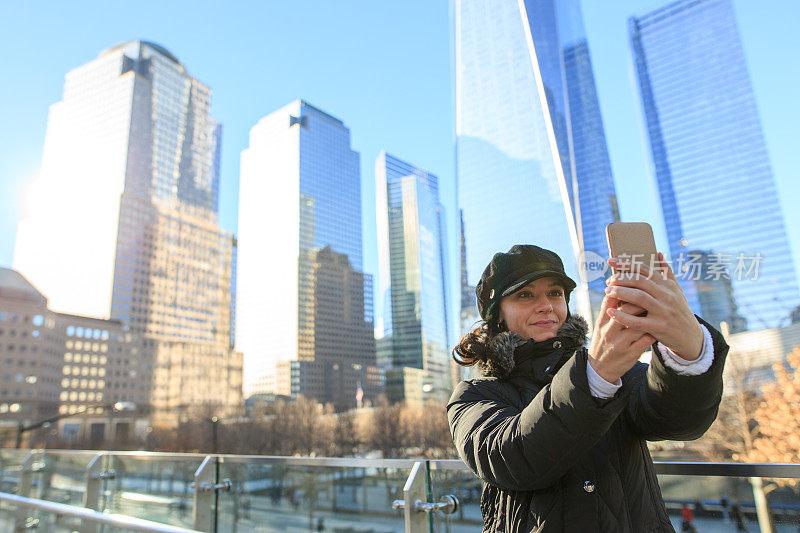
(474, 345)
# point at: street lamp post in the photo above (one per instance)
(214, 428)
(115, 406)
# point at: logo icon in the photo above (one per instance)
(591, 266)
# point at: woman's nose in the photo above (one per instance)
(544, 305)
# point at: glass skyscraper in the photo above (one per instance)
(531, 156)
(413, 276)
(711, 166)
(300, 195)
(125, 221)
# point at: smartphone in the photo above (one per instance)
(632, 241)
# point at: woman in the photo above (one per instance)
(557, 431)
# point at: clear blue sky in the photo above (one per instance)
(382, 67)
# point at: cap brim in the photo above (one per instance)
(524, 280)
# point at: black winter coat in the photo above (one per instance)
(555, 458)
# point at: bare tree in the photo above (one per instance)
(345, 439)
(757, 423)
(731, 436)
(778, 415)
(426, 430)
(382, 430)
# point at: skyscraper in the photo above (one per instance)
(300, 223)
(413, 266)
(531, 156)
(709, 158)
(126, 207)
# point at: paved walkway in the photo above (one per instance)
(716, 525)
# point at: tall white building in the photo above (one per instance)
(131, 120)
(123, 219)
(300, 223)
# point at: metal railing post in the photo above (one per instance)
(26, 475)
(95, 474)
(23, 519)
(418, 513)
(415, 491)
(203, 513)
(763, 514)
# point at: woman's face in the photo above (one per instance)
(536, 311)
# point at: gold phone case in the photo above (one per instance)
(633, 241)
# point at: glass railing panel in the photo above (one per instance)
(452, 477)
(714, 503)
(152, 487)
(268, 496)
(10, 468)
(29, 519)
(723, 503)
(62, 478)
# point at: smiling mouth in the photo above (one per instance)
(544, 323)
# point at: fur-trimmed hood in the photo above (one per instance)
(504, 346)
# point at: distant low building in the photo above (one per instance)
(715, 291)
(57, 364)
(794, 316)
(753, 353)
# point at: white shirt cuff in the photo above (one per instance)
(690, 368)
(599, 387)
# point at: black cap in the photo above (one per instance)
(509, 272)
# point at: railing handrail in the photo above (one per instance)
(771, 470)
(111, 519)
(686, 468)
(355, 462)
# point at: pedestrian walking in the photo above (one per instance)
(687, 515)
(738, 516)
(723, 502)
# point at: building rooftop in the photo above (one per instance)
(14, 286)
(157, 47)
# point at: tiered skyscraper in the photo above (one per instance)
(710, 161)
(124, 220)
(304, 304)
(531, 156)
(413, 276)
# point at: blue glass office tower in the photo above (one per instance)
(531, 156)
(413, 275)
(709, 158)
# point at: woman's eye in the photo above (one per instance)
(556, 293)
(524, 294)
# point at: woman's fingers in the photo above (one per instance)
(641, 344)
(658, 270)
(632, 309)
(632, 295)
(604, 317)
(629, 321)
(637, 281)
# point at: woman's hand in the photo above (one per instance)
(657, 291)
(615, 348)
